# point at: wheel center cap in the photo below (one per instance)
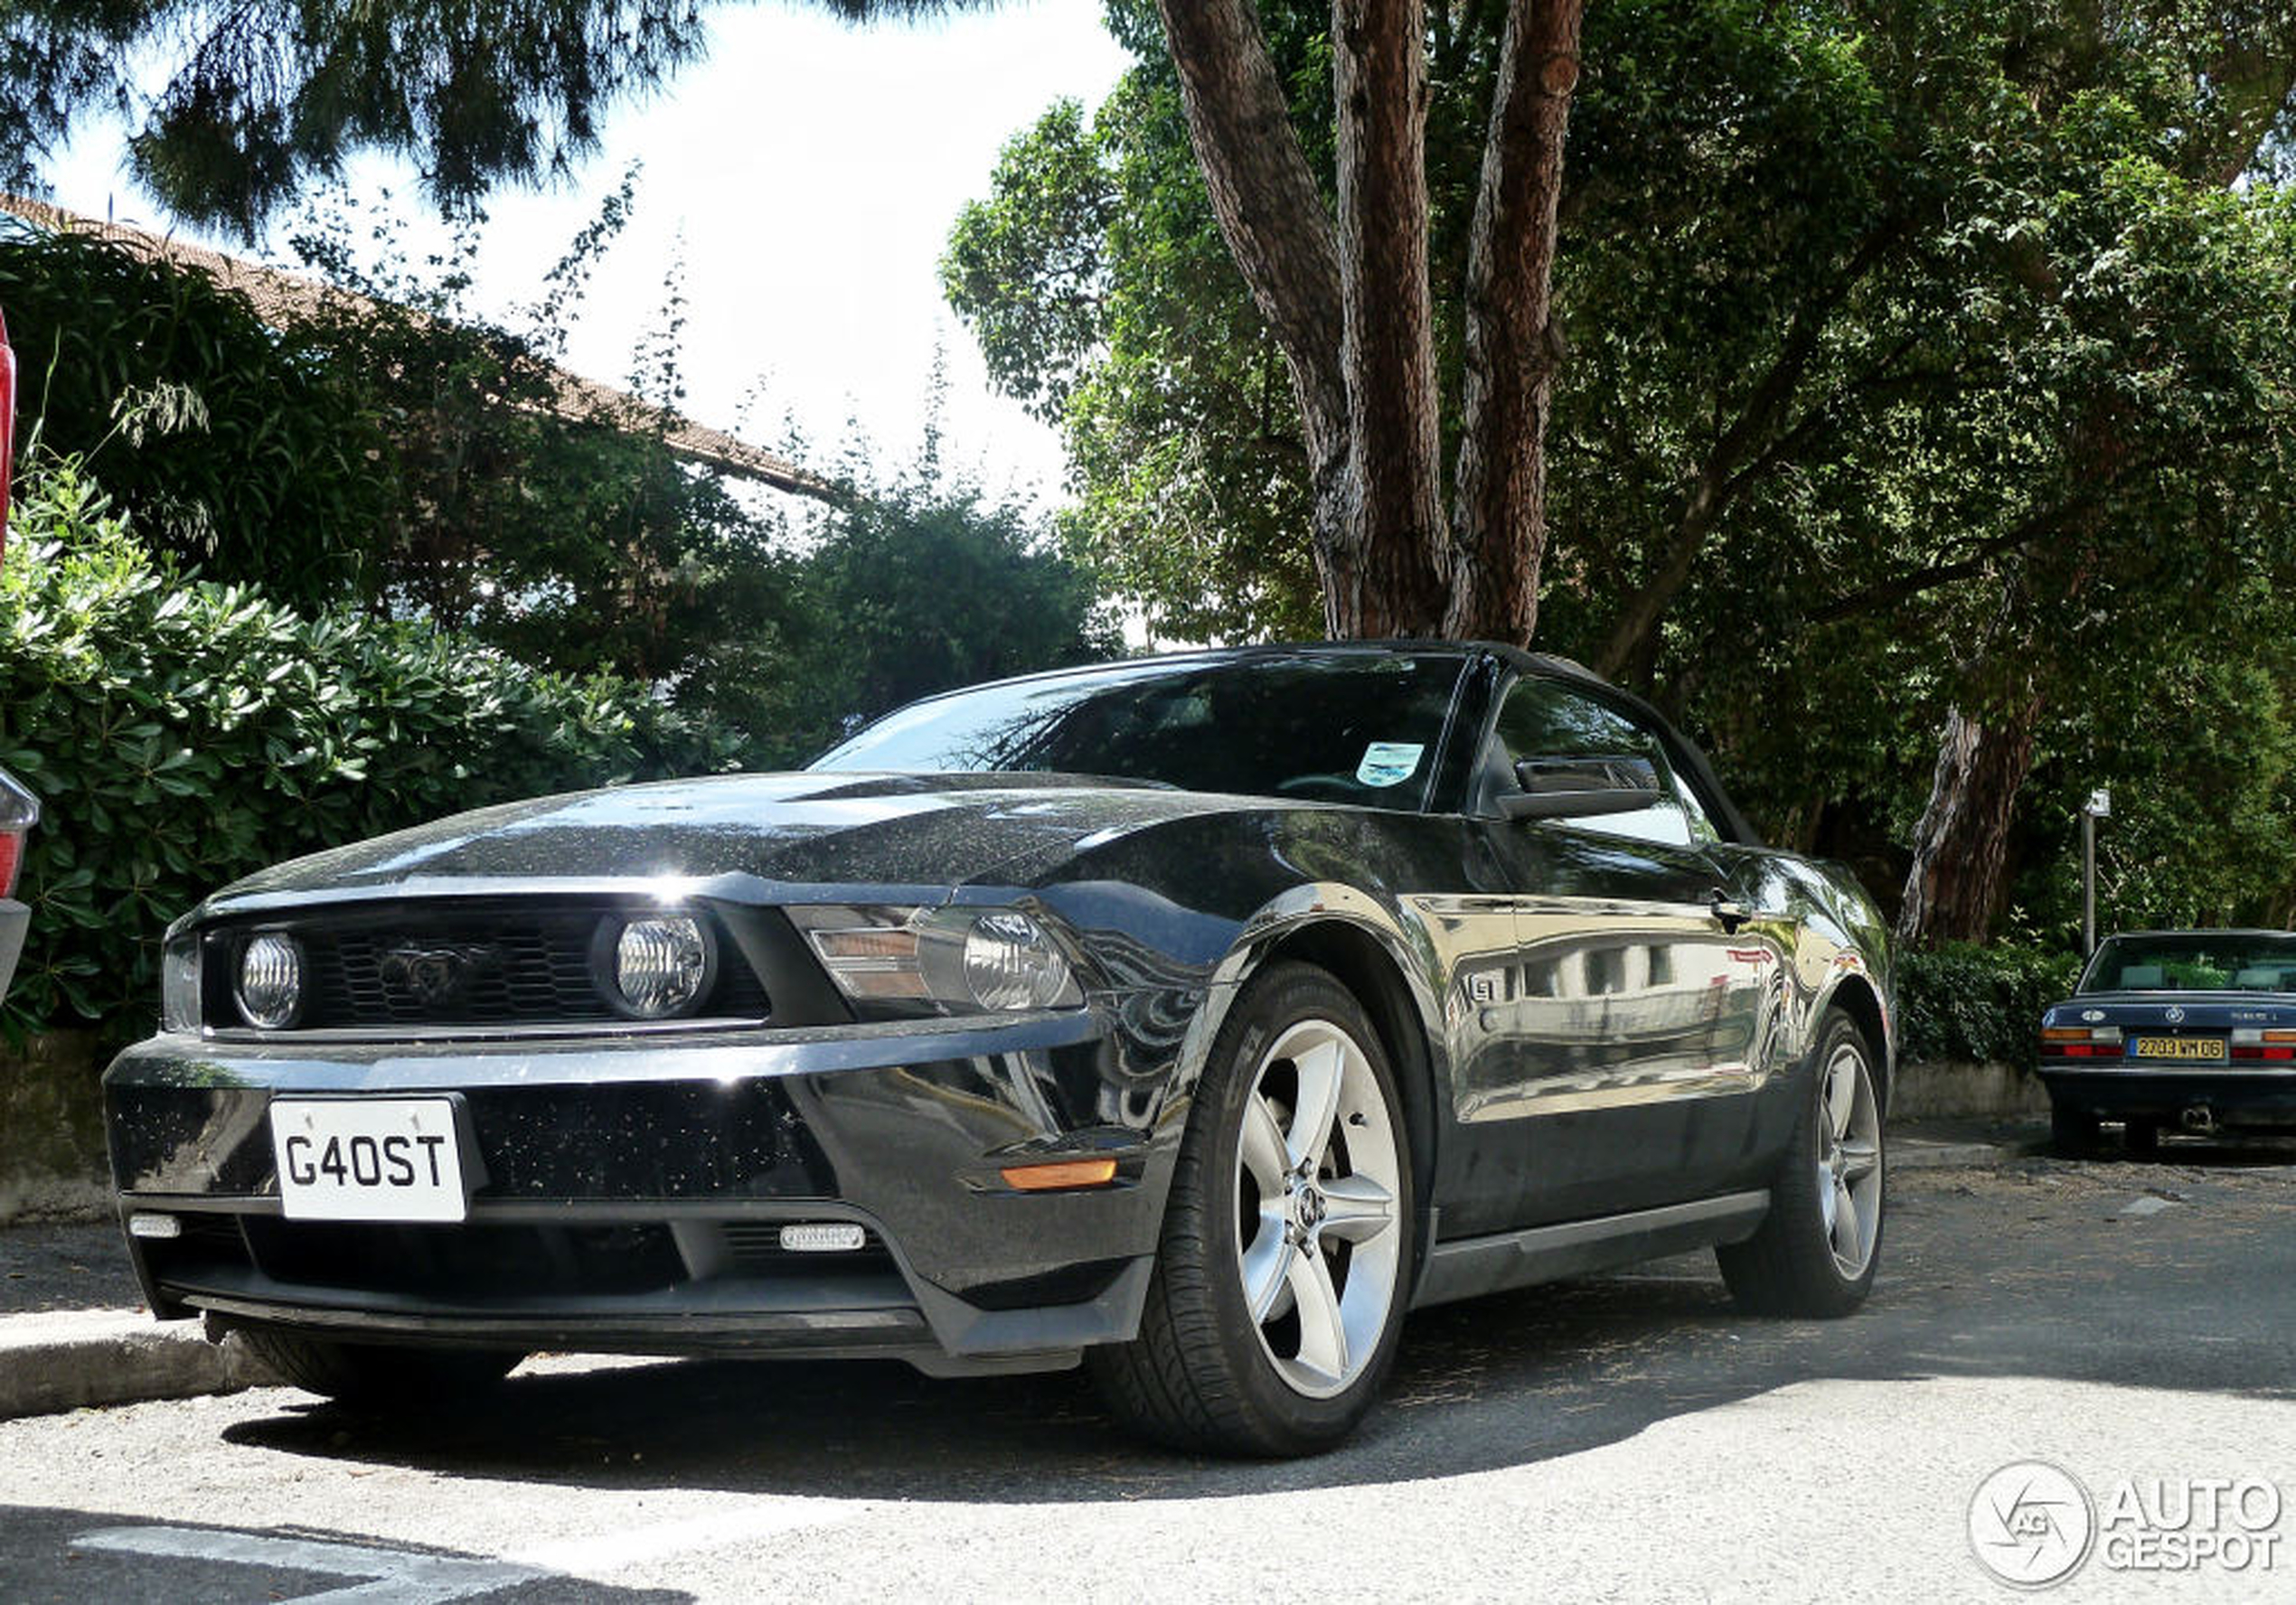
(1308, 1202)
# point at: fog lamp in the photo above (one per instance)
(270, 984)
(661, 966)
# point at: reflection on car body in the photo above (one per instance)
(1249, 998)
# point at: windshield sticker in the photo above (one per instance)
(1389, 762)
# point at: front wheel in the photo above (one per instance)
(1816, 1251)
(1287, 1247)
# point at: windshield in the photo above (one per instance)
(1342, 726)
(2195, 962)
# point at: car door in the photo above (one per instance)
(1644, 1002)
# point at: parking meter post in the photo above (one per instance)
(2098, 806)
(2088, 882)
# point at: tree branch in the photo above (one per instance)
(1497, 537)
(1273, 219)
(1719, 478)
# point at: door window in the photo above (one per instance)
(1550, 723)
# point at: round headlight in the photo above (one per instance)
(1010, 963)
(661, 966)
(270, 984)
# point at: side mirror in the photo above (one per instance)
(1581, 787)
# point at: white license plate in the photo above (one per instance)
(368, 1158)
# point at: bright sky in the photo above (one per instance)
(809, 174)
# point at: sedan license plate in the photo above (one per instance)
(368, 1158)
(2208, 1049)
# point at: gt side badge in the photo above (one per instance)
(1389, 762)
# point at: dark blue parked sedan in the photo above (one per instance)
(2195, 1029)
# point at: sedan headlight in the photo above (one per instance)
(657, 968)
(271, 980)
(949, 960)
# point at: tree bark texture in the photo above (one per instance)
(1499, 519)
(1282, 239)
(1392, 581)
(1961, 848)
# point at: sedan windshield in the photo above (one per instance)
(2193, 962)
(1340, 726)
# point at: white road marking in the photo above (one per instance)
(398, 1578)
(764, 1517)
(395, 1577)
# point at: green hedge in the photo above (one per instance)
(183, 734)
(1981, 1004)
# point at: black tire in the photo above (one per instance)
(378, 1376)
(2141, 1137)
(1790, 1266)
(1201, 1375)
(2072, 1134)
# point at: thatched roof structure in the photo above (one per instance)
(279, 297)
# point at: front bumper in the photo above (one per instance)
(630, 1190)
(2243, 1097)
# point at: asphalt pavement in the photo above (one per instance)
(1627, 1436)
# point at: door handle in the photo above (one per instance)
(1728, 909)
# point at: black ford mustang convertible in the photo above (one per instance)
(1195, 1018)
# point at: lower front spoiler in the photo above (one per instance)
(2259, 1098)
(443, 1286)
(840, 1335)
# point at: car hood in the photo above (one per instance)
(796, 830)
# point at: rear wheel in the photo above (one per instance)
(1816, 1251)
(2072, 1132)
(1284, 1267)
(378, 1375)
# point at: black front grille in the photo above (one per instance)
(476, 964)
(466, 1260)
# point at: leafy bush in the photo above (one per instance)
(225, 441)
(184, 733)
(1968, 1002)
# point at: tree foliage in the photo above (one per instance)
(259, 100)
(1911, 351)
(231, 447)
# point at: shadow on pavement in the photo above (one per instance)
(2033, 1269)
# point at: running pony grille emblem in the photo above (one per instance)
(436, 977)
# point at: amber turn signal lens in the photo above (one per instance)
(1062, 1173)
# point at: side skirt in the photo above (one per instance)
(1472, 1266)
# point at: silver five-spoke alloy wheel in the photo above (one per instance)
(1850, 1160)
(1317, 1179)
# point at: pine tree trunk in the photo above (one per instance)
(1499, 516)
(1273, 219)
(1961, 847)
(1392, 582)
